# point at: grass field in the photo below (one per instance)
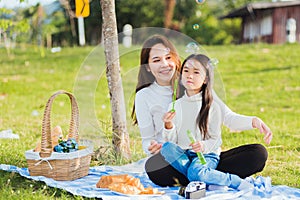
(260, 79)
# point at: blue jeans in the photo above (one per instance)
(187, 163)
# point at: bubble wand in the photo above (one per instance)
(199, 154)
(174, 95)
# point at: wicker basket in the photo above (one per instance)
(60, 166)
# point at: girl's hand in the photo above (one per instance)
(154, 147)
(197, 146)
(167, 119)
(263, 128)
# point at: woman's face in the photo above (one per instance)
(193, 76)
(161, 64)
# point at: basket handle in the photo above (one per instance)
(46, 144)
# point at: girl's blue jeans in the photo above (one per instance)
(187, 163)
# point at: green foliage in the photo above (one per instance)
(57, 20)
(186, 13)
(209, 29)
(139, 13)
(20, 27)
(11, 23)
(4, 23)
(27, 24)
(232, 27)
(183, 11)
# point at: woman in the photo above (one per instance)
(159, 66)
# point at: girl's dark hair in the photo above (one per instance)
(206, 89)
(145, 78)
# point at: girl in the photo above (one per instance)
(197, 111)
(159, 62)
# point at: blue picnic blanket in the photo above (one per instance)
(86, 186)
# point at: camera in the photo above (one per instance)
(194, 190)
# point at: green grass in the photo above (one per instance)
(260, 79)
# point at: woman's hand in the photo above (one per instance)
(154, 147)
(263, 128)
(197, 146)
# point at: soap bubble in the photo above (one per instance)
(200, 1)
(214, 62)
(91, 80)
(196, 26)
(192, 47)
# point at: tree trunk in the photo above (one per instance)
(49, 40)
(169, 11)
(120, 137)
(66, 5)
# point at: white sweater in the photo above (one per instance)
(152, 102)
(187, 109)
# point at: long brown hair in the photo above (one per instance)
(146, 78)
(206, 89)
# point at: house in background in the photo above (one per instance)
(270, 22)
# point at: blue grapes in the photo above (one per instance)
(66, 146)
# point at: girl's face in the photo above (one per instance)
(161, 64)
(193, 76)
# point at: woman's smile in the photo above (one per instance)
(165, 70)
